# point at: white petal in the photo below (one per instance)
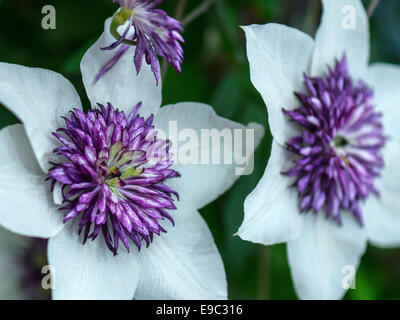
(184, 263)
(120, 86)
(278, 57)
(382, 219)
(271, 210)
(384, 80)
(325, 257)
(382, 214)
(38, 98)
(57, 194)
(344, 29)
(27, 205)
(201, 182)
(10, 271)
(90, 271)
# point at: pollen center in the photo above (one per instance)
(112, 176)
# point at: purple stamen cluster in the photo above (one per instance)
(155, 33)
(340, 144)
(112, 175)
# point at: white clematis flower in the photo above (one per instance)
(332, 182)
(109, 189)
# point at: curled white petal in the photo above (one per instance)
(278, 57)
(271, 210)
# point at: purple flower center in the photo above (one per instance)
(340, 144)
(155, 33)
(113, 175)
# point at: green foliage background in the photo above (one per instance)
(216, 72)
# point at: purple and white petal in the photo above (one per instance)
(120, 86)
(184, 263)
(344, 29)
(278, 57)
(271, 210)
(203, 180)
(39, 98)
(151, 29)
(27, 204)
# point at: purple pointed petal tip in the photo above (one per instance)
(155, 34)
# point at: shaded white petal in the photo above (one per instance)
(38, 98)
(27, 205)
(382, 214)
(325, 256)
(344, 29)
(184, 263)
(271, 210)
(208, 176)
(382, 219)
(11, 245)
(120, 86)
(384, 80)
(278, 57)
(90, 271)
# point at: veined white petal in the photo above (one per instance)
(344, 29)
(184, 263)
(27, 205)
(205, 171)
(38, 98)
(90, 271)
(121, 86)
(278, 56)
(271, 210)
(324, 259)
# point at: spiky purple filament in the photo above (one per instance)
(112, 175)
(155, 33)
(340, 144)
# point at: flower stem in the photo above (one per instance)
(198, 11)
(372, 6)
(263, 289)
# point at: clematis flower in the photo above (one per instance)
(150, 30)
(22, 260)
(332, 180)
(107, 190)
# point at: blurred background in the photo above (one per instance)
(215, 71)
